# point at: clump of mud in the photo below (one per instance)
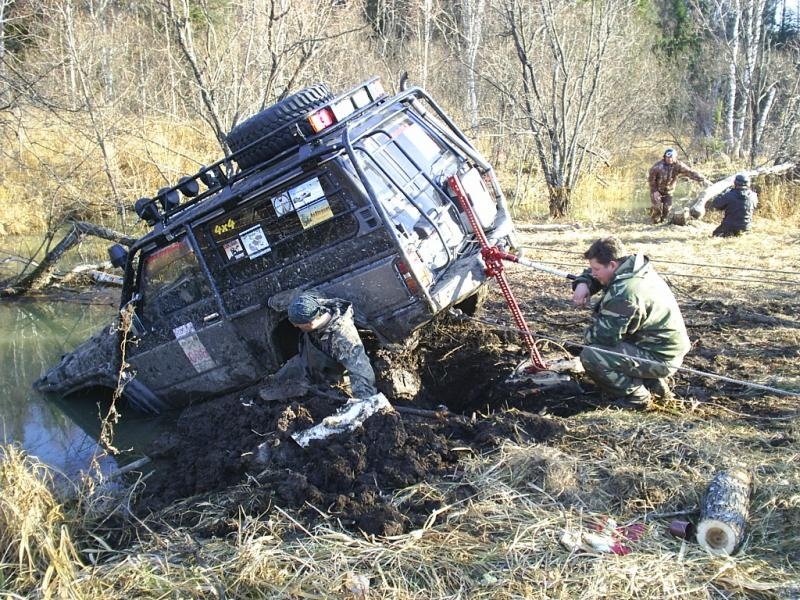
(243, 442)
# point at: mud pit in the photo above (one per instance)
(353, 477)
(210, 459)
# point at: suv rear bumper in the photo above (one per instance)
(463, 279)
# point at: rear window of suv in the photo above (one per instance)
(406, 167)
(277, 228)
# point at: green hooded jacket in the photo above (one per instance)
(639, 308)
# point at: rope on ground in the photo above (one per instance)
(705, 374)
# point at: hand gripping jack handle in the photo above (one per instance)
(493, 259)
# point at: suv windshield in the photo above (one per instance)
(171, 280)
(406, 166)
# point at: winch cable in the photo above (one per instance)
(782, 282)
(540, 267)
(692, 264)
(493, 259)
(706, 374)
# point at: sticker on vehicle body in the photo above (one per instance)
(255, 241)
(282, 204)
(193, 348)
(315, 213)
(234, 249)
(306, 193)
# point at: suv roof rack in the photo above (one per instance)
(322, 120)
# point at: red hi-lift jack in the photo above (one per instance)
(534, 368)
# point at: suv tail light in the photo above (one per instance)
(345, 105)
(413, 277)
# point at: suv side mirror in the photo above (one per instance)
(118, 256)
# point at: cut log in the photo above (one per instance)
(698, 209)
(723, 512)
(681, 217)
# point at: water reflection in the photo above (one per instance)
(61, 433)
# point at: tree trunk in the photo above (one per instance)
(723, 512)
(560, 201)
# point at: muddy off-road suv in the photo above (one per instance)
(347, 195)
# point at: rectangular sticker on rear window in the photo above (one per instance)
(314, 214)
(234, 249)
(306, 193)
(255, 242)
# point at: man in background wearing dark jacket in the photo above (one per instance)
(739, 202)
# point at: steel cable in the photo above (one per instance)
(760, 386)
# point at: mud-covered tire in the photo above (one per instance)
(472, 305)
(257, 129)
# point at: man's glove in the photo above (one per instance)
(656, 197)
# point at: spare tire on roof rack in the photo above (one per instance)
(257, 129)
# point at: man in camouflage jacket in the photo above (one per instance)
(329, 346)
(638, 337)
(662, 178)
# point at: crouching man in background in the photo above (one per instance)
(637, 338)
(739, 202)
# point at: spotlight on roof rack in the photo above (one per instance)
(147, 210)
(118, 256)
(188, 186)
(207, 176)
(168, 198)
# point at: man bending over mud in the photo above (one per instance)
(329, 346)
(637, 338)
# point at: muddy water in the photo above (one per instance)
(61, 433)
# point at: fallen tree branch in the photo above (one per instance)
(43, 274)
(698, 209)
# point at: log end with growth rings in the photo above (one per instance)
(724, 509)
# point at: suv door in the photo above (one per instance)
(186, 349)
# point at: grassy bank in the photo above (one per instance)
(502, 541)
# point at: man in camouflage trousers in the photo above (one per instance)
(329, 346)
(638, 337)
(662, 178)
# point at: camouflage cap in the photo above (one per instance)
(305, 308)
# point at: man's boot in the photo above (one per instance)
(659, 388)
(638, 399)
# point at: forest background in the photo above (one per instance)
(103, 101)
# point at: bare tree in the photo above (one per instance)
(564, 53)
(470, 37)
(740, 28)
(260, 52)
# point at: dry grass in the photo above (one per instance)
(502, 541)
(53, 166)
(36, 546)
